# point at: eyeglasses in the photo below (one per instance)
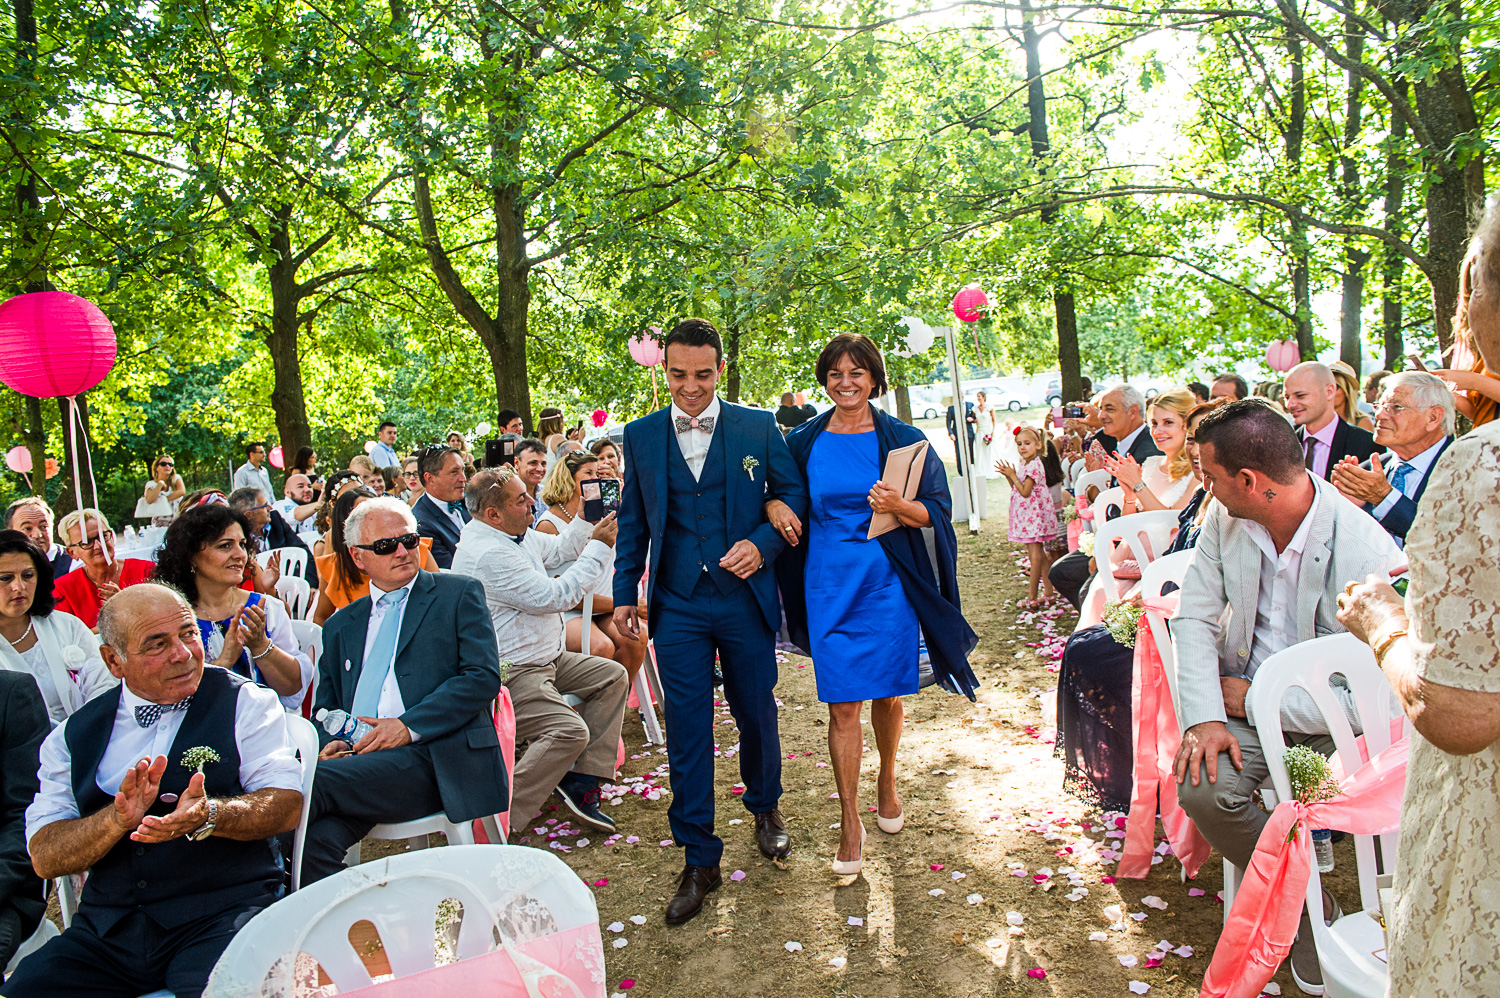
(94, 541)
(252, 509)
(387, 545)
(1392, 408)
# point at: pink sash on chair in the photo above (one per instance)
(1075, 527)
(1263, 922)
(505, 727)
(561, 965)
(1154, 739)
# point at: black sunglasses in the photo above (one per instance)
(387, 545)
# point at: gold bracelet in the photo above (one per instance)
(1386, 642)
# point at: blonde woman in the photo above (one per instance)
(1346, 396)
(564, 505)
(549, 430)
(1166, 481)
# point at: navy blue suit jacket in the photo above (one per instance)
(433, 521)
(1397, 520)
(643, 502)
(448, 669)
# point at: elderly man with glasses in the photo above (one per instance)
(82, 592)
(417, 661)
(1414, 420)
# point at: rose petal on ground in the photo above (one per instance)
(1014, 917)
(1152, 901)
(638, 919)
(856, 920)
(1196, 892)
(1113, 913)
(934, 866)
(1139, 987)
(1127, 959)
(621, 943)
(975, 899)
(1098, 937)
(793, 947)
(937, 892)
(1139, 916)
(1272, 988)
(737, 876)
(627, 984)
(838, 962)
(616, 926)
(1036, 972)
(1184, 951)
(959, 876)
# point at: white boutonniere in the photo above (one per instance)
(74, 657)
(750, 464)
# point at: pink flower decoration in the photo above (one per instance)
(601, 882)
(627, 984)
(934, 866)
(1036, 972)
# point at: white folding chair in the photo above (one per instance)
(293, 560)
(34, 942)
(1346, 949)
(507, 898)
(296, 594)
(69, 890)
(1154, 578)
(304, 737)
(1112, 496)
(1096, 479)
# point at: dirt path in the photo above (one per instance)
(935, 911)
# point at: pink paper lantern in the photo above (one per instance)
(1283, 355)
(646, 350)
(54, 344)
(277, 459)
(967, 303)
(18, 459)
(369, 446)
(600, 417)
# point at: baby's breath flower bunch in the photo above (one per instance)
(1121, 618)
(1310, 776)
(199, 756)
(1086, 544)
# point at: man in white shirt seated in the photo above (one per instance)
(1275, 552)
(168, 792)
(1414, 420)
(568, 751)
(299, 504)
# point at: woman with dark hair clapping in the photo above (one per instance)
(204, 555)
(861, 605)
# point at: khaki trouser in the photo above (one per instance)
(559, 739)
(1226, 812)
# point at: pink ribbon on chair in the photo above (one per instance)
(505, 729)
(1154, 741)
(1263, 922)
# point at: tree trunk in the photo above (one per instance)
(1296, 128)
(1352, 281)
(1063, 306)
(903, 403)
(1394, 263)
(287, 399)
(732, 365)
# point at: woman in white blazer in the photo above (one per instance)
(56, 648)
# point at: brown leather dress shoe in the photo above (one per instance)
(771, 835)
(697, 883)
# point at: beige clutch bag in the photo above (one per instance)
(903, 472)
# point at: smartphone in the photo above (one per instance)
(1400, 585)
(1072, 412)
(601, 496)
(501, 451)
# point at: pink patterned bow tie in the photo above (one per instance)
(685, 423)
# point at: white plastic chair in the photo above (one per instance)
(296, 594)
(1098, 479)
(1154, 578)
(34, 942)
(1346, 948)
(293, 560)
(510, 896)
(304, 736)
(1113, 496)
(1145, 534)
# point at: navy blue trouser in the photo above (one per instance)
(134, 956)
(688, 633)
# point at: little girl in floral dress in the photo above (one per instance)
(1033, 517)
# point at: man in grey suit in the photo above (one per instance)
(417, 660)
(1275, 552)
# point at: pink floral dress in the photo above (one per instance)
(1033, 518)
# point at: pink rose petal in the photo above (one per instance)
(627, 984)
(737, 876)
(1036, 972)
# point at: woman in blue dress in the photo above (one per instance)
(860, 606)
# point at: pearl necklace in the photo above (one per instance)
(30, 624)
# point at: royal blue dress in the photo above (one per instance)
(863, 629)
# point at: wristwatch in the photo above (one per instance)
(206, 829)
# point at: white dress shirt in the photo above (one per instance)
(1123, 445)
(391, 704)
(267, 758)
(1276, 602)
(1323, 449)
(526, 603)
(1420, 465)
(694, 443)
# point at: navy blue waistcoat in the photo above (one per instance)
(697, 533)
(178, 881)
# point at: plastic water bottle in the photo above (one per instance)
(1322, 840)
(344, 727)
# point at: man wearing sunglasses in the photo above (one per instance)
(417, 660)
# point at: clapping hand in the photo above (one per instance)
(138, 792)
(1007, 469)
(270, 574)
(1361, 485)
(250, 623)
(1124, 469)
(190, 813)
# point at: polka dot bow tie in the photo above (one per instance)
(148, 714)
(704, 423)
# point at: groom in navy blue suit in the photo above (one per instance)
(697, 477)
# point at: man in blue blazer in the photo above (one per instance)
(697, 477)
(440, 511)
(416, 659)
(1414, 419)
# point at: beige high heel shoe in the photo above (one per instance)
(891, 825)
(853, 866)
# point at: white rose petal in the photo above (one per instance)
(1184, 951)
(1127, 960)
(837, 963)
(638, 919)
(1098, 937)
(1113, 913)
(937, 892)
(617, 926)
(793, 947)
(975, 899)
(1139, 987)
(1272, 988)
(1152, 901)
(1014, 917)
(621, 943)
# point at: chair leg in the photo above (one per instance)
(351, 856)
(649, 720)
(1231, 887)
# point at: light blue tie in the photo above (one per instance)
(382, 655)
(1399, 478)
